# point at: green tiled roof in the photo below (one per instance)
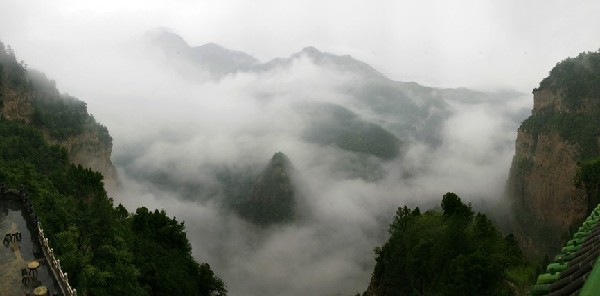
(574, 271)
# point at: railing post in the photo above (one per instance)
(55, 266)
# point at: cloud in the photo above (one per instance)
(188, 131)
(185, 131)
(465, 43)
(164, 124)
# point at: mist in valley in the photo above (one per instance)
(171, 158)
(185, 129)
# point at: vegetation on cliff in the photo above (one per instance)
(272, 197)
(61, 115)
(29, 96)
(452, 251)
(332, 124)
(576, 78)
(577, 82)
(561, 133)
(588, 178)
(578, 129)
(104, 249)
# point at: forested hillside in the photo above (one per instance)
(29, 96)
(105, 249)
(447, 251)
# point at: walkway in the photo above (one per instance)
(15, 255)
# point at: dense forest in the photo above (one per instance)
(448, 251)
(575, 77)
(105, 249)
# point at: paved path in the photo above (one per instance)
(15, 255)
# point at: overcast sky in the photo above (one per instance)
(158, 120)
(472, 43)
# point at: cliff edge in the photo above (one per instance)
(28, 96)
(562, 131)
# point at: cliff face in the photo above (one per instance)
(91, 151)
(542, 190)
(16, 106)
(562, 131)
(29, 96)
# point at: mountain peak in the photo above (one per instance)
(220, 61)
(212, 45)
(165, 37)
(272, 198)
(280, 159)
(311, 50)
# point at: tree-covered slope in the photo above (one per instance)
(29, 96)
(452, 251)
(272, 197)
(576, 78)
(335, 125)
(104, 249)
(572, 104)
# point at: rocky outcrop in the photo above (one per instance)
(29, 96)
(90, 150)
(16, 105)
(545, 100)
(561, 132)
(272, 197)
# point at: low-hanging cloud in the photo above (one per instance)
(186, 131)
(183, 130)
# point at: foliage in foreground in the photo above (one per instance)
(104, 249)
(449, 252)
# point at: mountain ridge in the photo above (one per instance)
(239, 61)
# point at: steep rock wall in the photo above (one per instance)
(91, 148)
(91, 151)
(562, 131)
(16, 106)
(541, 185)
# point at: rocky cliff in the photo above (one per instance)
(271, 199)
(92, 150)
(29, 96)
(561, 132)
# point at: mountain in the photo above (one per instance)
(42, 132)
(334, 124)
(272, 198)
(209, 59)
(562, 132)
(407, 110)
(343, 63)
(364, 119)
(219, 61)
(29, 96)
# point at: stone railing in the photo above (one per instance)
(60, 276)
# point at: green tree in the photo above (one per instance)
(453, 252)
